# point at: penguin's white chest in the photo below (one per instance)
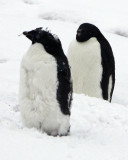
(38, 86)
(85, 61)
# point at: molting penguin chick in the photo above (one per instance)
(45, 85)
(92, 63)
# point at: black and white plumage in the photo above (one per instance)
(45, 84)
(92, 63)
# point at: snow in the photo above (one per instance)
(99, 129)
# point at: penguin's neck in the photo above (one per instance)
(88, 50)
(36, 49)
(37, 54)
(90, 41)
(86, 44)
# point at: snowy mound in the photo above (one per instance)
(96, 127)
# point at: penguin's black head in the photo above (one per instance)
(50, 42)
(87, 31)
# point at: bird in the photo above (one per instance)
(45, 89)
(92, 63)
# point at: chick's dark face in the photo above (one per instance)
(49, 41)
(33, 35)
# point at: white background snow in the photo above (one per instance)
(99, 130)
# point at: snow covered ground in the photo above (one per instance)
(99, 130)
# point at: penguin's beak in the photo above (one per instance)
(79, 32)
(25, 33)
(29, 35)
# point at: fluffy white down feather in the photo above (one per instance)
(37, 95)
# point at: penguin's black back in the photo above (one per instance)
(64, 89)
(108, 64)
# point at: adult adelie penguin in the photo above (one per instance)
(92, 63)
(45, 84)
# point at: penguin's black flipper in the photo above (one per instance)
(65, 89)
(108, 64)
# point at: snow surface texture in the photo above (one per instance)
(99, 130)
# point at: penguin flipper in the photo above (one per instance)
(64, 92)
